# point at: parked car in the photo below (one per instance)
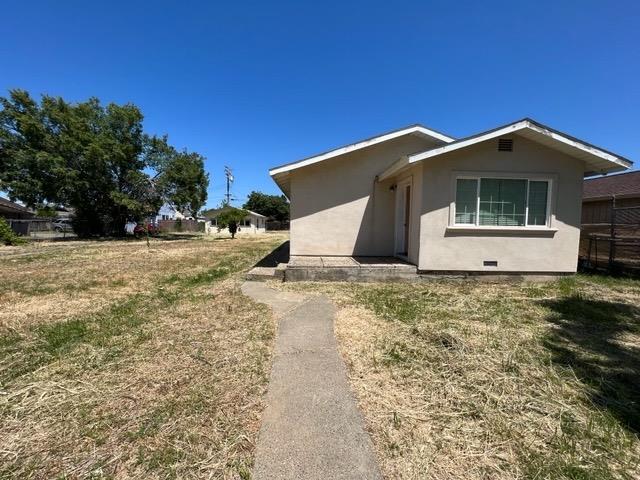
(141, 230)
(62, 225)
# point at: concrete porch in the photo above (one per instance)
(349, 269)
(279, 265)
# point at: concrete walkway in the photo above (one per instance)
(312, 428)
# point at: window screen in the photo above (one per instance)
(538, 203)
(502, 202)
(466, 200)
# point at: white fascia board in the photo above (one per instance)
(580, 145)
(465, 143)
(357, 146)
(514, 128)
(395, 167)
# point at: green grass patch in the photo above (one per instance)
(161, 459)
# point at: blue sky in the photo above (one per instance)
(256, 84)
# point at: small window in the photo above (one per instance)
(538, 192)
(466, 201)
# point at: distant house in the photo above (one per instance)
(598, 194)
(169, 212)
(14, 211)
(254, 223)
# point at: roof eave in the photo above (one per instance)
(618, 163)
(413, 129)
(282, 180)
(395, 168)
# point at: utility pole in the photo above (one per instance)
(229, 175)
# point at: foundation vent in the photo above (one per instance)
(505, 145)
(490, 263)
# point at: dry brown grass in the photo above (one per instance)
(119, 361)
(469, 380)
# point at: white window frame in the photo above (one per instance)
(478, 176)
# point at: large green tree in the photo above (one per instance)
(275, 207)
(94, 158)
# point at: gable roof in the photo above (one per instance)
(597, 159)
(7, 205)
(214, 212)
(280, 173)
(412, 129)
(622, 184)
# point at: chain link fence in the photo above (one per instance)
(42, 228)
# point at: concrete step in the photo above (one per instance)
(266, 273)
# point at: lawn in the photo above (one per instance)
(469, 380)
(120, 359)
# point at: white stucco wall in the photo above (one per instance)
(445, 249)
(338, 209)
(257, 226)
(169, 212)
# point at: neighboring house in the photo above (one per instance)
(252, 223)
(505, 200)
(169, 212)
(14, 211)
(598, 194)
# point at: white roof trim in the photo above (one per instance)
(357, 146)
(514, 127)
(394, 168)
(255, 214)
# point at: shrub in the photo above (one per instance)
(8, 236)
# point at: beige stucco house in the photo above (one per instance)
(505, 200)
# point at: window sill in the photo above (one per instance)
(514, 230)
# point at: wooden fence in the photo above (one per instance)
(180, 226)
(613, 247)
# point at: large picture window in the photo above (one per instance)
(501, 202)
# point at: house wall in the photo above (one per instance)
(442, 249)
(168, 212)
(337, 208)
(257, 226)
